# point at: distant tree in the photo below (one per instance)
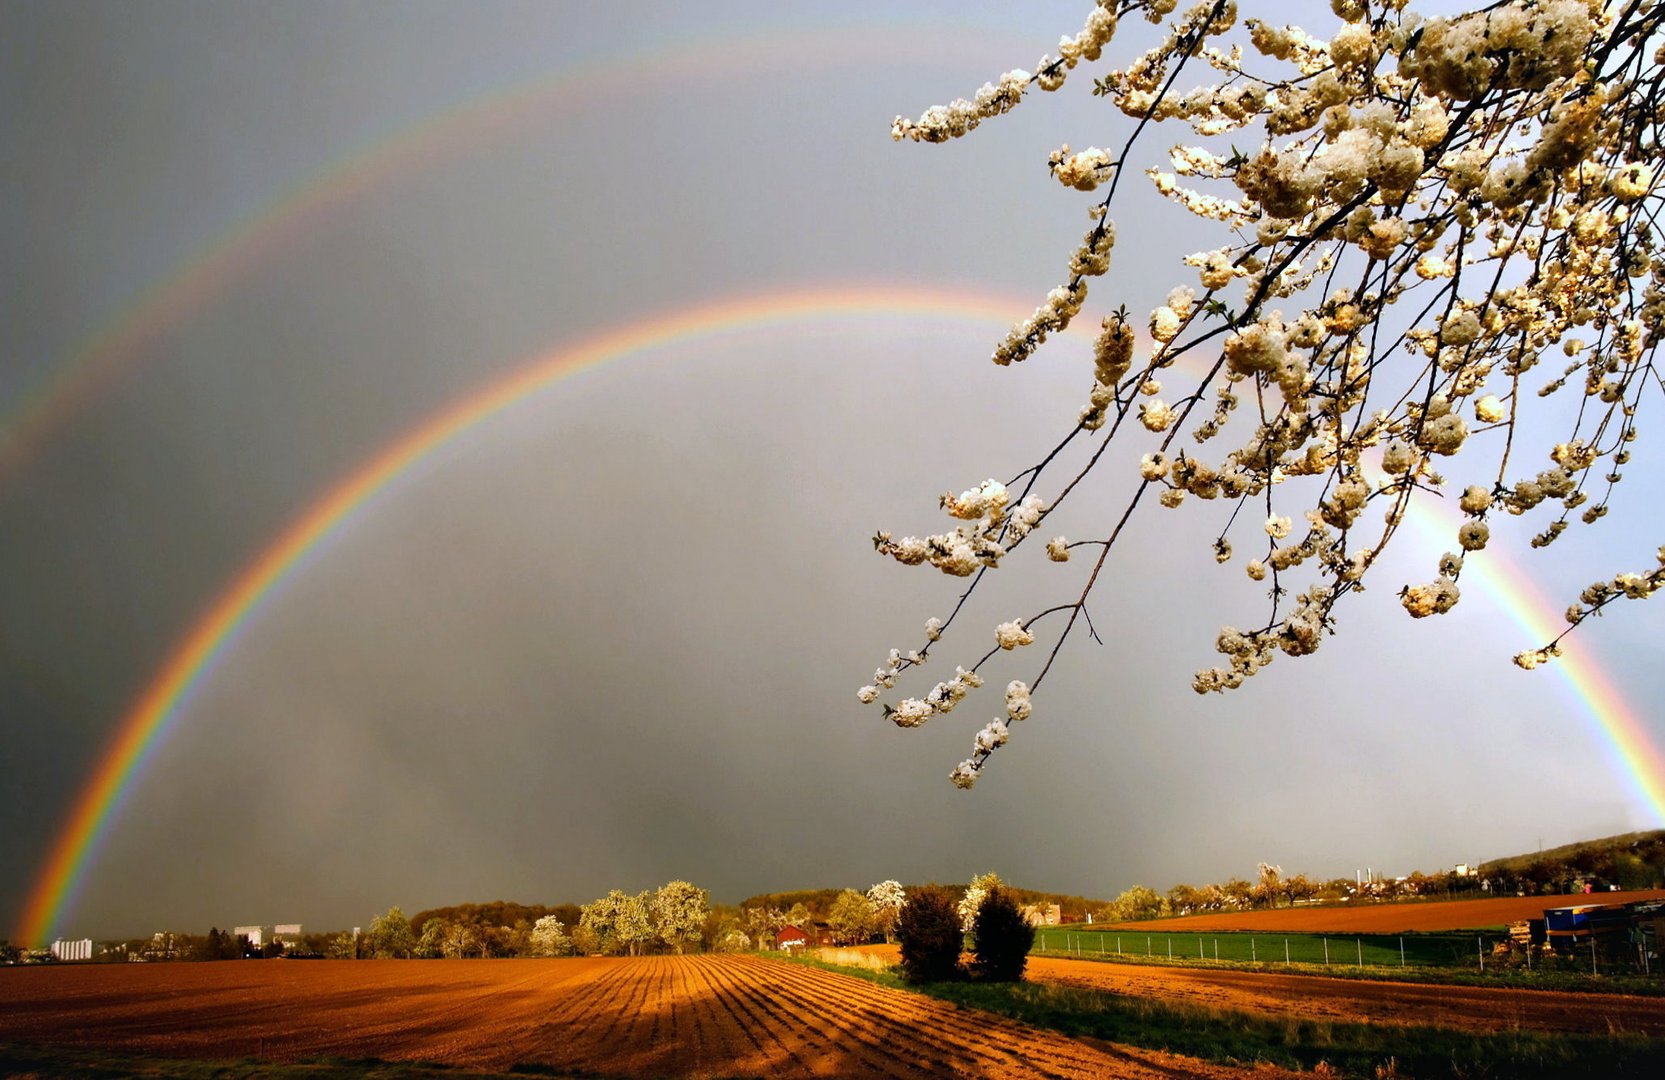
(585, 941)
(9, 953)
(761, 924)
(1630, 872)
(1300, 887)
(390, 935)
(599, 919)
(622, 923)
(1268, 889)
(974, 893)
(679, 911)
(725, 933)
(1139, 902)
(887, 898)
(1001, 938)
(208, 948)
(800, 916)
(635, 924)
(549, 938)
(930, 934)
(851, 917)
(1184, 899)
(343, 947)
(431, 945)
(461, 940)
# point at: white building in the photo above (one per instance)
(72, 950)
(286, 932)
(255, 934)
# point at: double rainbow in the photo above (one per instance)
(153, 715)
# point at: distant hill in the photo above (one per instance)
(1566, 853)
(1630, 860)
(494, 913)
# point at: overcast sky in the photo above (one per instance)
(612, 636)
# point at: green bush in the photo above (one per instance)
(1001, 937)
(929, 932)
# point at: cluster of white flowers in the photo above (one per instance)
(1010, 635)
(981, 542)
(943, 122)
(1495, 169)
(1435, 598)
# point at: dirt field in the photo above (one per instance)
(1470, 1008)
(1385, 918)
(658, 1016)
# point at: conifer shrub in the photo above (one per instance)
(1002, 938)
(928, 930)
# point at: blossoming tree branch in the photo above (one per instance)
(1445, 243)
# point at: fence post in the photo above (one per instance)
(1326, 952)
(1480, 948)
(1170, 947)
(1253, 959)
(1401, 952)
(1200, 955)
(1216, 950)
(1360, 943)
(1285, 952)
(1147, 946)
(1593, 970)
(1118, 944)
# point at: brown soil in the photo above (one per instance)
(1315, 997)
(660, 1016)
(1386, 918)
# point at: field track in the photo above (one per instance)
(654, 1016)
(1360, 1000)
(1426, 915)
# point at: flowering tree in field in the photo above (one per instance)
(887, 898)
(973, 899)
(1439, 251)
(679, 912)
(761, 923)
(390, 935)
(851, 917)
(618, 922)
(549, 938)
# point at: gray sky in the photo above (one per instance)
(612, 636)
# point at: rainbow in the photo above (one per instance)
(485, 119)
(1635, 754)
(147, 724)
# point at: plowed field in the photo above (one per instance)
(1471, 1008)
(1356, 1000)
(658, 1016)
(1386, 918)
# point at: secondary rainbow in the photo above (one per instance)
(482, 120)
(148, 722)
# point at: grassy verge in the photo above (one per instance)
(1509, 978)
(64, 1063)
(1236, 1037)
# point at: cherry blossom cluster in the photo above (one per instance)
(940, 123)
(1440, 252)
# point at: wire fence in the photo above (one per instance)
(1456, 950)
